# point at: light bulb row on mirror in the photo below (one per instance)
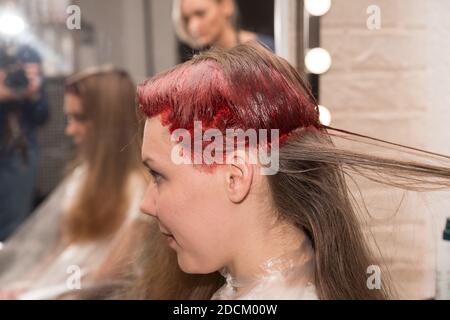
(318, 60)
(11, 24)
(317, 7)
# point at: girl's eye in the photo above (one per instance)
(78, 117)
(200, 13)
(155, 175)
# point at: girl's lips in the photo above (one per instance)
(171, 241)
(170, 237)
(164, 232)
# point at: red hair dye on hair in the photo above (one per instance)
(246, 87)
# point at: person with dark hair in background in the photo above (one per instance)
(23, 108)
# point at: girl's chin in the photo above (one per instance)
(203, 42)
(78, 142)
(190, 268)
(171, 241)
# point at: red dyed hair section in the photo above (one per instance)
(246, 87)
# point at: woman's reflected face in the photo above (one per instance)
(77, 124)
(205, 20)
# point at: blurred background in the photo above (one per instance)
(137, 35)
(377, 67)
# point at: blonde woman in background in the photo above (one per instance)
(204, 23)
(83, 236)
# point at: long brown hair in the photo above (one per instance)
(110, 153)
(249, 87)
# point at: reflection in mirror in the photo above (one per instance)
(31, 23)
(200, 24)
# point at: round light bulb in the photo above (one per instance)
(324, 115)
(11, 24)
(318, 61)
(317, 7)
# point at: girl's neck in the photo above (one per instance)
(281, 251)
(293, 270)
(228, 38)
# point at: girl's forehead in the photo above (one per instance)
(156, 138)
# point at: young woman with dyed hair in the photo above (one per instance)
(82, 236)
(239, 234)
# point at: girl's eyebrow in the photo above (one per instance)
(152, 167)
(146, 161)
(147, 158)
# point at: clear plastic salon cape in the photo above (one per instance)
(289, 277)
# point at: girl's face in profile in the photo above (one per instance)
(77, 124)
(205, 19)
(191, 205)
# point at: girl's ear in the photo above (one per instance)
(239, 178)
